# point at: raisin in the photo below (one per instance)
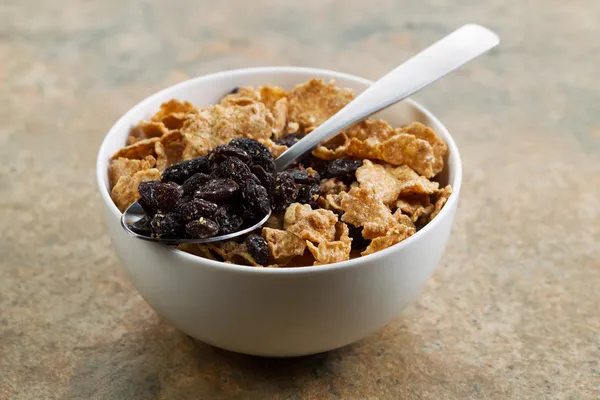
(308, 194)
(234, 90)
(166, 225)
(193, 183)
(202, 228)
(142, 226)
(217, 190)
(231, 168)
(195, 209)
(256, 200)
(265, 178)
(315, 163)
(228, 219)
(358, 241)
(223, 151)
(299, 174)
(284, 191)
(181, 171)
(268, 163)
(258, 249)
(168, 195)
(342, 167)
(261, 155)
(147, 191)
(289, 140)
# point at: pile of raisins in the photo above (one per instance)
(222, 193)
(230, 189)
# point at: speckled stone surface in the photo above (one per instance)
(513, 310)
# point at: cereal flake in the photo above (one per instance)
(308, 224)
(125, 192)
(127, 167)
(313, 102)
(138, 150)
(284, 245)
(174, 112)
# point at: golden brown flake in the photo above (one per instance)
(400, 149)
(231, 251)
(332, 186)
(292, 127)
(411, 182)
(423, 132)
(441, 197)
(216, 125)
(335, 251)
(332, 202)
(169, 150)
(127, 167)
(280, 113)
(370, 128)
(314, 102)
(270, 95)
(363, 208)
(308, 224)
(174, 112)
(383, 242)
(138, 150)
(125, 191)
(415, 206)
(145, 130)
(379, 180)
(284, 245)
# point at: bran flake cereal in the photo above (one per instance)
(386, 200)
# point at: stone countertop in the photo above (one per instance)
(513, 309)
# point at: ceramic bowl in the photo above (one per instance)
(269, 311)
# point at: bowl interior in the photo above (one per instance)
(206, 90)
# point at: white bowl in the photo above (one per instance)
(269, 311)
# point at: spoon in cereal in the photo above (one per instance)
(439, 59)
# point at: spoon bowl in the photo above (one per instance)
(135, 212)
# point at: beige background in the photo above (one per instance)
(513, 310)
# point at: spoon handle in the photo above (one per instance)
(442, 57)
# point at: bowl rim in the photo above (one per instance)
(324, 73)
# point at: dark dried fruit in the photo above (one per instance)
(358, 241)
(195, 209)
(147, 191)
(229, 219)
(258, 249)
(142, 226)
(265, 178)
(181, 171)
(289, 140)
(193, 183)
(308, 194)
(315, 163)
(223, 151)
(234, 90)
(261, 155)
(232, 168)
(256, 200)
(342, 167)
(299, 174)
(168, 195)
(217, 190)
(166, 225)
(202, 228)
(284, 191)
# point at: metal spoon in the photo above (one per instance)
(439, 59)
